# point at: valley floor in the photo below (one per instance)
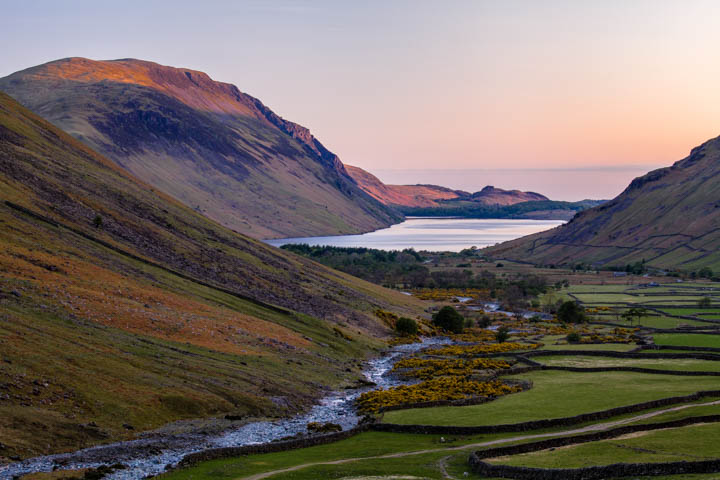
(574, 401)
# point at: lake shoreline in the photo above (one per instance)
(433, 234)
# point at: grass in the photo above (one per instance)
(658, 364)
(420, 467)
(670, 445)
(119, 341)
(615, 347)
(688, 340)
(559, 394)
(690, 311)
(364, 445)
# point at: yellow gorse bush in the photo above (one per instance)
(441, 388)
(481, 349)
(426, 368)
(448, 293)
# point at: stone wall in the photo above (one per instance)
(280, 446)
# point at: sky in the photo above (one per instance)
(586, 93)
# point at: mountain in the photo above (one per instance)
(434, 195)
(670, 218)
(497, 196)
(121, 309)
(216, 149)
(405, 195)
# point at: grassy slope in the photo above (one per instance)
(669, 217)
(672, 445)
(559, 394)
(88, 334)
(209, 145)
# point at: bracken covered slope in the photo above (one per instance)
(121, 306)
(670, 218)
(206, 143)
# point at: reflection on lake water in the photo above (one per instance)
(433, 234)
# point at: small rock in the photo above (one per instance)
(16, 293)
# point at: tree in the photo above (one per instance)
(502, 334)
(634, 312)
(449, 319)
(571, 312)
(406, 327)
(704, 302)
(705, 272)
(98, 221)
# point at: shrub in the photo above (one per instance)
(449, 319)
(406, 326)
(704, 302)
(484, 321)
(98, 221)
(502, 334)
(442, 388)
(573, 337)
(571, 312)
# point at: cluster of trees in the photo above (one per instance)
(450, 320)
(407, 269)
(469, 209)
(377, 266)
(571, 312)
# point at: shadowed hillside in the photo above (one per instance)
(670, 218)
(216, 149)
(121, 309)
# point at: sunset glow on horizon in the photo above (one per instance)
(428, 85)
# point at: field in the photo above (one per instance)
(554, 394)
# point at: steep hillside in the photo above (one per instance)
(216, 149)
(434, 195)
(670, 218)
(122, 309)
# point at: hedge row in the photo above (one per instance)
(597, 472)
(545, 423)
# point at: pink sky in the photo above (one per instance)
(475, 84)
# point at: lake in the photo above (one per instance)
(433, 234)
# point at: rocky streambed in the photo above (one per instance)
(156, 451)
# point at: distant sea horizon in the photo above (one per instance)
(568, 184)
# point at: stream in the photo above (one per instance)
(154, 453)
